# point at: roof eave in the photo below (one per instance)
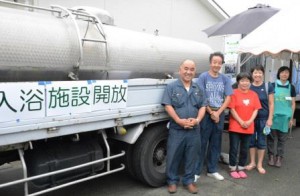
(214, 7)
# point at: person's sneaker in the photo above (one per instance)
(271, 161)
(278, 162)
(216, 176)
(197, 177)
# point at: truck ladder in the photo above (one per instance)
(91, 18)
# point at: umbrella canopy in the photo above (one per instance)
(242, 23)
(277, 36)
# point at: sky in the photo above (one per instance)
(233, 7)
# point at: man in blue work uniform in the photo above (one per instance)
(185, 103)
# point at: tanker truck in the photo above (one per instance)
(80, 97)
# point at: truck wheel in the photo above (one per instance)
(149, 157)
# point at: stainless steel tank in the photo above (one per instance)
(45, 46)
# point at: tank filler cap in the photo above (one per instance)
(103, 15)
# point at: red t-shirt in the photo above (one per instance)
(244, 104)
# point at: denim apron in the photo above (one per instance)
(282, 108)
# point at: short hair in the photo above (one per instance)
(216, 54)
(259, 68)
(243, 75)
(281, 69)
(187, 60)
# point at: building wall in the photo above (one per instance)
(176, 18)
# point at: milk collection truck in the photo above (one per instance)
(80, 98)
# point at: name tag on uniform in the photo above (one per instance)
(288, 98)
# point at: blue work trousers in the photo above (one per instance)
(182, 148)
(211, 141)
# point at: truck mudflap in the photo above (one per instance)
(40, 178)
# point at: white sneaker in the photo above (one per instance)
(216, 176)
(196, 178)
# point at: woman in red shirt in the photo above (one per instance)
(243, 107)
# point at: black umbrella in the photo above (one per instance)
(244, 22)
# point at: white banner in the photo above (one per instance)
(21, 101)
(231, 53)
(27, 100)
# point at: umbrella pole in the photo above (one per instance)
(238, 65)
(264, 63)
(291, 68)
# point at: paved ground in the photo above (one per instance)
(284, 181)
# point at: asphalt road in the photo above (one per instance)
(277, 181)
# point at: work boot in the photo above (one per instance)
(278, 161)
(271, 161)
(192, 188)
(172, 188)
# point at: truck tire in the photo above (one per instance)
(149, 156)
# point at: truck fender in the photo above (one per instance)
(133, 133)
